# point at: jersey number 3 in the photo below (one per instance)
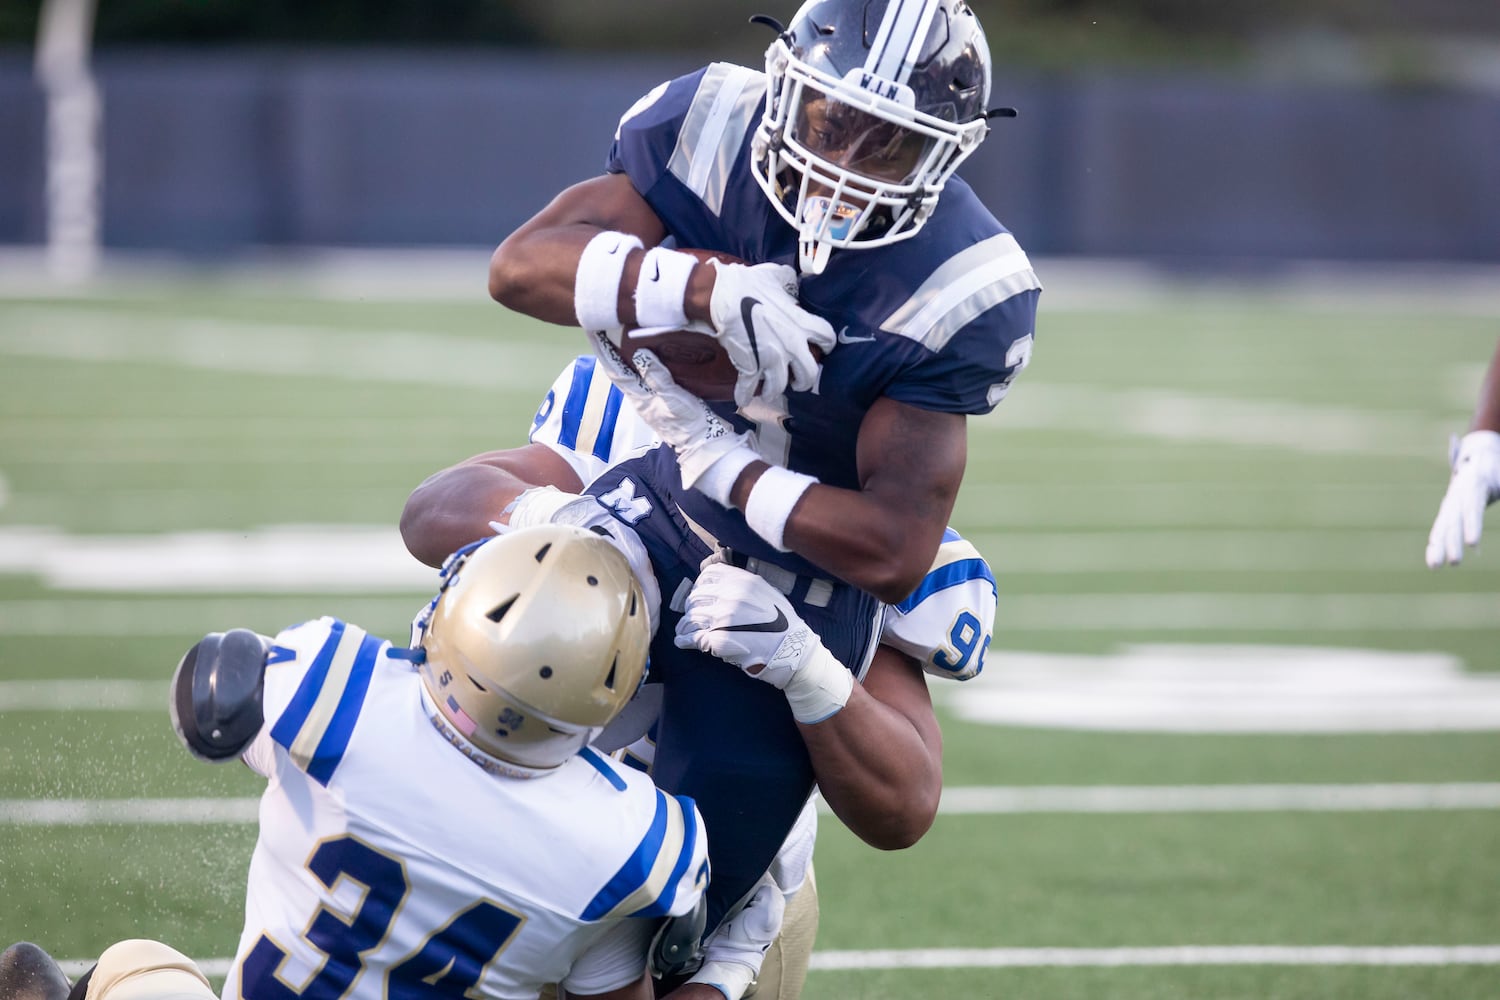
(448, 964)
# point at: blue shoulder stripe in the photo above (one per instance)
(636, 869)
(577, 402)
(606, 437)
(663, 904)
(943, 577)
(602, 766)
(318, 722)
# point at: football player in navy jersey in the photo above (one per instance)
(832, 175)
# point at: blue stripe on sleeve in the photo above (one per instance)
(663, 904)
(636, 869)
(295, 714)
(947, 576)
(336, 737)
(577, 401)
(612, 403)
(600, 765)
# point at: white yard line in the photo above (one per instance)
(962, 801)
(996, 958)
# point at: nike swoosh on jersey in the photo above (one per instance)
(777, 624)
(747, 310)
(844, 337)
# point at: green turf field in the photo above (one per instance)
(1227, 708)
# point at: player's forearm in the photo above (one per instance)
(878, 772)
(454, 507)
(857, 537)
(535, 270)
(879, 760)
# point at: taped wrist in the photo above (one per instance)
(730, 978)
(820, 688)
(661, 289)
(717, 481)
(771, 501)
(537, 505)
(596, 286)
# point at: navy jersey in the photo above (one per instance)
(943, 321)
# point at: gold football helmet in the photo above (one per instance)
(537, 639)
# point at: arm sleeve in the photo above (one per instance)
(617, 959)
(587, 422)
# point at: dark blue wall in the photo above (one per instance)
(213, 152)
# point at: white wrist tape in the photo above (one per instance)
(730, 978)
(717, 481)
(662, 287)
(771, 501)
(820, 688)
(596, 287)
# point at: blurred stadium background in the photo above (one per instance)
(1234, 739)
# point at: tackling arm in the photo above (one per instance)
(455, 506)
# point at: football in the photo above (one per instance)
(697, 361)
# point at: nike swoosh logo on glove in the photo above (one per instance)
(747, 310)
(777, 624)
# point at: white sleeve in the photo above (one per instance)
(587, 421)
(617, 959)
(947, 622)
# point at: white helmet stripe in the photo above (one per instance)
(898, 40)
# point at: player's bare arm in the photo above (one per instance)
(455, 506)
(534, 271)
(882, 536)
(879, 760)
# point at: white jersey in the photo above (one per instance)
(389, 865)
(947, 622)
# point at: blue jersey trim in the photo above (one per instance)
(280, 654)
(335, 738)
(577, 401)
(663, 904)
(947, 576)
(602, 766)
(612, 403)
(636, 869)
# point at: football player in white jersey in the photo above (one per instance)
(582, 428)
(435, 822)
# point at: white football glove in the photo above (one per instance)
(550, 505)
(767, 334)
(734, 952)
(698, 435)
(737, 616)
(1474, 486)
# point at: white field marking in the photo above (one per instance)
(277, 349)
(191, 616)
(1229, 689)
(345, 558)
(1174, 415)
(1115, 613)
(278, 559)
(1193, 504)
(1043, 958)
(956, 801)
(1020, 958)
